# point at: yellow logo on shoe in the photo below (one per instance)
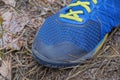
(73, 15)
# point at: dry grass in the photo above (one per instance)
(104, 66)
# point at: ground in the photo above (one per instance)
(17, 62)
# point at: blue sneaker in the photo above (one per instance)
(75, 33)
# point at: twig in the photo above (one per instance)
(115, 50)
(100, 67)
(106, 66)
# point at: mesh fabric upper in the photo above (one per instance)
(85, 36)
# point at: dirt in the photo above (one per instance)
(104, 66)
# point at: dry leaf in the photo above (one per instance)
(10, 2)
(13, 24)
(5, 69)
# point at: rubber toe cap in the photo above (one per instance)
(62, 52)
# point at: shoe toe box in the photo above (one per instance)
(64, 52)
